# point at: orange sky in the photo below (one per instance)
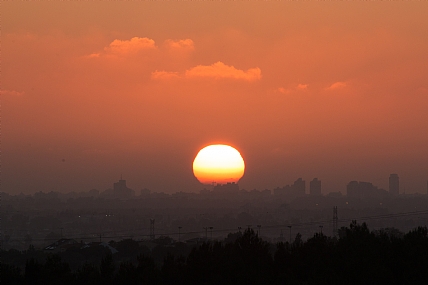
(337, 91)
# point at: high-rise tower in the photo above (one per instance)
(394, 185)
(315, 187)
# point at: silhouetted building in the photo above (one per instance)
(356, 189)
(352, 189)
(93, 193)
(394, 185)
(230, 187)
(335, 194)
(97, 244)
(121, 191)
(61, 245)
(145, 192)
(315, 187)
(298, 189)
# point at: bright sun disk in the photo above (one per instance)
(218, 164)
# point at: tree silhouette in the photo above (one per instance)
(88, 274)
(107, 269)
(34, 272)
(358, 256)
(11, 274)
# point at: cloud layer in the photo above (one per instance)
(218, 70)
(337, 85)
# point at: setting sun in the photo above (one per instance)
(218, 164)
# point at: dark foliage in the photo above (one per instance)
(359, 256)
(11, 274)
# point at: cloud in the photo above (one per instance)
(336, 85)
(164, 75)
(219, 70)
(283, 90)
(302, 86)
(135, 45)
(94, 55)
(186, 44)
(299, 87)
(11, 93)
(131, 46)
(125, 47)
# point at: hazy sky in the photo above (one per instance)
(93, 90)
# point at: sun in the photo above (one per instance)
(218, 164)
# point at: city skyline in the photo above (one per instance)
(289, 192)
(334, 91)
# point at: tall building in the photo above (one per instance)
(363, 190)
(298, 189)
(119, 186)
(229, 187)
(315, 187)
(121, 191)
(352, 189)
(394, 185)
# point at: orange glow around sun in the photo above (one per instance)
(218, 164)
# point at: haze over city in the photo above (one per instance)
(214, 142)
(91, 91)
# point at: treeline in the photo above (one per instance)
(358, 256)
